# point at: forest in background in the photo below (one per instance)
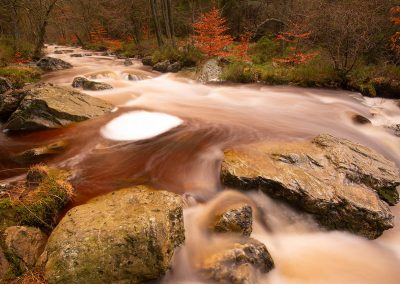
(315, 43)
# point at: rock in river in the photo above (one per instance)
(82, 82)
(51, 64)
(344, 185)
(238, 262)
(237, 219)
(127, 236)
(47, 106)
(5, 85)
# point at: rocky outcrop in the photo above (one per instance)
(210, 72)
(9, 103)
(52, 64)
(81, 82)
(37, 154)
(127, 236)
(162, 66)
(174, 67)
(344, 185)
(237, 219)
(26, 243)
(239, 263)
(47, 106)
(5, 85)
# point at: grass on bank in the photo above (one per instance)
(21, 75)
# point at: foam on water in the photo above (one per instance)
(139, 125)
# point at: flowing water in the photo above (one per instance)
(170, 132)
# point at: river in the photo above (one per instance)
(123, 149)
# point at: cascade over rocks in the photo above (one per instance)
(344, 185)
(52, 64)
(127, 236)
(47, 106)
(82, 82)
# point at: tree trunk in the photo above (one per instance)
(156, 23)
(42, 31)
(171, 22)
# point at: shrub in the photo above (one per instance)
(240, 72)
(188, 56)
(264, 50)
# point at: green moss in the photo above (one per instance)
(19, 76)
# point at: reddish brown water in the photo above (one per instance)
(186, 160)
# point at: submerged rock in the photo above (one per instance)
(27, 243)
(46, 106)
(39, 153)
(344, 185)
(238, 219)
(77, 55)
(240, 262)
(5, 85)
(359, 119)
(81, 82)
(52, 64)
(127, 236)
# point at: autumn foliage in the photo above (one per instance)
(242, 50)
(395, 39)
(99, 36)
(19, 59)
(296, 56)
(211, 38)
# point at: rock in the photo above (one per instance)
(77, 55)
(127, 236)
(9, 103)
(88, 54)
(46, 106)
(39, 153)
(238, 219)
(161, 66)
(51, 64)
(46, 193)
(174, 67)
(239, 263)
(395, 129)
(344, 185)
(128, 62)
(5, 85)
(210, 72)
(27, 243)
(62, 51)
(359, 119)
(81, 82)
(148, 61)
(4, 265)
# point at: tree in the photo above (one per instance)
(395, 39)
(211, 37)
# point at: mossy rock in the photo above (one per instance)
(127, 236)
(38, 202)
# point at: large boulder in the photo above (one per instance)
(162, 66)
(174, 67)
(344, 185)
(5, 85)
(127, 236)
(46, 106)
(26, 243)
(210, 72)
(82, 82)
(52, 64)
(239, 262)
(236, 219)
